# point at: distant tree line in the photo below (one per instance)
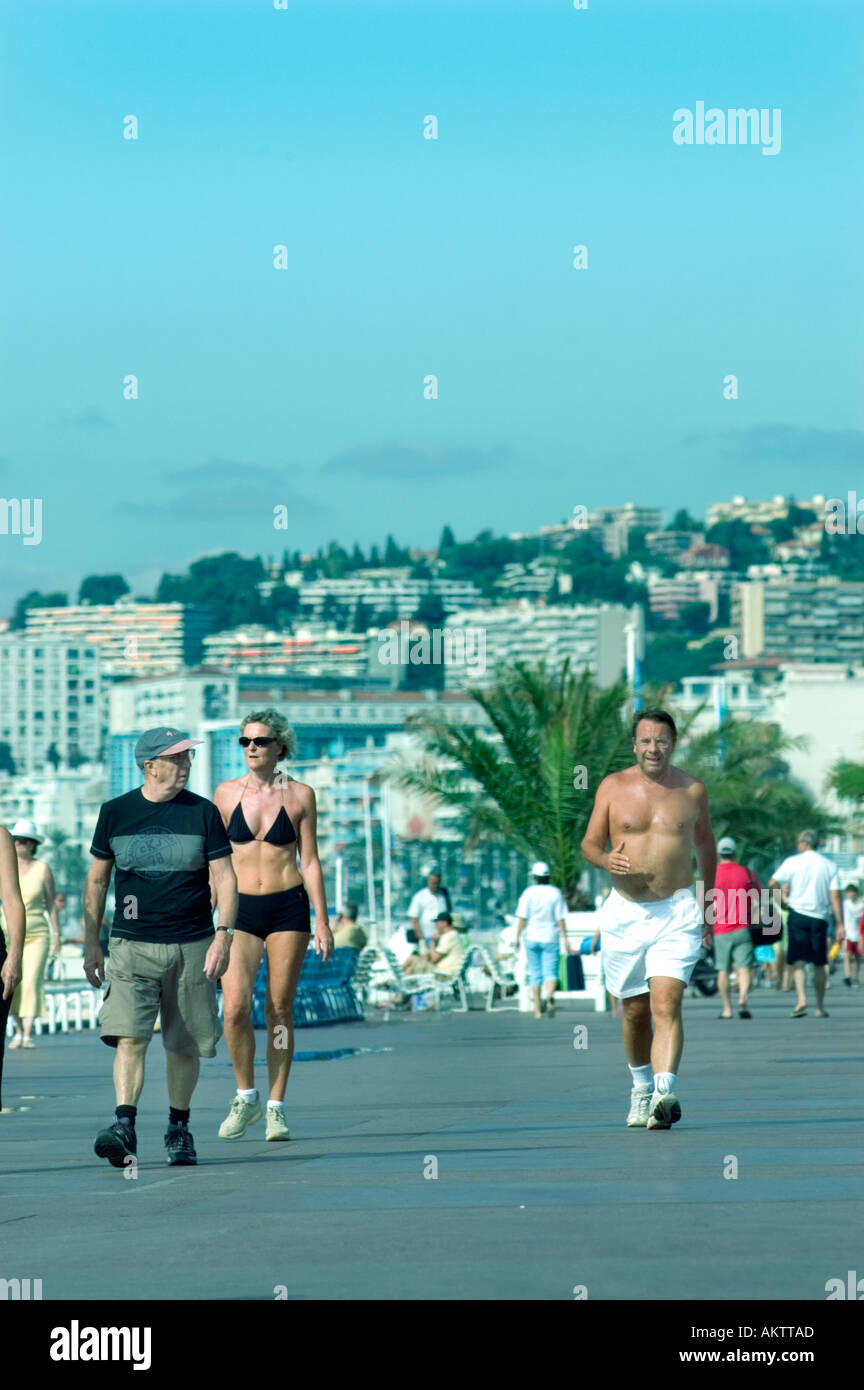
(227, 584)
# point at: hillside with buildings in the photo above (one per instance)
(757, 611)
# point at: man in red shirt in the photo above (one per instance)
(732, 943)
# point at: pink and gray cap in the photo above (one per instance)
(161, 742)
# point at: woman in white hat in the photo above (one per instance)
(540, 913)
(42, 930)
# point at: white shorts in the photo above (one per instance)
(638, 940)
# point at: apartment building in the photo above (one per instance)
(182, 700)
(50, 696)
(816, 620)
(131, 637)
(593, 636)
(314, 652)
(759, 513)
(390, 590)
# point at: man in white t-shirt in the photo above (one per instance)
(810, 885)
(540, 913)
(426, 904)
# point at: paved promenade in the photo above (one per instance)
(540, 1186)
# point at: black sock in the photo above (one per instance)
(127, 1113)
(178, 1117)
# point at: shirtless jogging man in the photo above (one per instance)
(651, 924)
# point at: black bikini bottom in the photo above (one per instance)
(261, 914)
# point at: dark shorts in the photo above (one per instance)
(259, 914)
(808, 938)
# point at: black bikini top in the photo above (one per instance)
(281, 832)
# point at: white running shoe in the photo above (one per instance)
(640, 1101)
(276, 1126)
(664, 1111)
(239, 1117)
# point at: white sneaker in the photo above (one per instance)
(640, 1101)
(664, 1111)
(276, 1126)
(239, 1117)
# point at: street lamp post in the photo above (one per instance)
(370, 863)
(385, 831)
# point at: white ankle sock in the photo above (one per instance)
(664, 1082)
(249, 1096)
(276, 1105)
(641, 1075)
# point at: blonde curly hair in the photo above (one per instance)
(278, 726)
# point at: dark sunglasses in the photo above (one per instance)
(255, 742)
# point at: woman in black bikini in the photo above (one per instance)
(268, 817)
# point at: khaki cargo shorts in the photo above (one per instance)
(147, 977)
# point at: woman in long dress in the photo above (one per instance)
(12, 941)
(42, 931)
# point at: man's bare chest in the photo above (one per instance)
(663, 813)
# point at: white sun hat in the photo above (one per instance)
(26, 830)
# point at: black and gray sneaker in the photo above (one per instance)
(179, 1145)
(116, 1143)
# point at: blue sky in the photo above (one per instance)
(407, 256)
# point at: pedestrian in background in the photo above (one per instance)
(13, 934)
(733, 945)
(347, 932)
(541, 913)
(852, 933)
(41, 933)
(426, 904)
(812, 885)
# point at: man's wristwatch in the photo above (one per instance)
(229, 930)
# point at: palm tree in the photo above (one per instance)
(529, 781)
(515, 783)
(847, 780)
(751, 795)
(68, 863)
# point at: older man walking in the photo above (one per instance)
(810, 883)
(164, 842)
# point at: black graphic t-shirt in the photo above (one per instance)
(161, 851)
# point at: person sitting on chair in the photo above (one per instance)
(346, 932)
(445, 954)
